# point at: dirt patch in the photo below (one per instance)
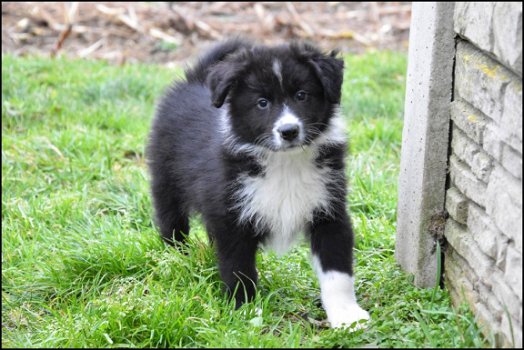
(171, 32)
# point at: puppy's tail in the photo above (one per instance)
(198, 73)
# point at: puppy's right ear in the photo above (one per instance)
(223, 76)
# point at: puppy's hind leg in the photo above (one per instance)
(171, 217)
(237, 263)
(175, 227)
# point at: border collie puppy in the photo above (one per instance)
(253, 141)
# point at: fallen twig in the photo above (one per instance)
(189, 24)
(63, 36)
(69, 20)
(132, 22)
(89, 50)
(265, 17)
(157, 33)
(330, 34)
(296, 17)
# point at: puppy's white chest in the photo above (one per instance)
(283, 200)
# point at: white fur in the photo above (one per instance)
(224, 123)
(338, 297)
(231, 142)
(292, 188)
(287, 117)
(277, 69)
(283, 200)
(335, 132)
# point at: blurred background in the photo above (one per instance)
(170, 32)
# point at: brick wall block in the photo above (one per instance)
(493, 90)
(513, 273)
(511, 160)
(506, 155)
(457, 281)
(460, 239)
(466, 182)
(483, 132)
(474, 22)
(494, 27)
(488, 297)
(460, 264)
(511, 122)
(489, 300)
(491, 314)
(468, 119)
(483, 231)
(486, 320)
(480, 80)
(504, 204)
(505, 294)
(507, 34)
(468, 151)
(512, 332)
(457, 205)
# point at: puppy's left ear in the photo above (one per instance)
(223, 76)
(330, 71)
(220, 80)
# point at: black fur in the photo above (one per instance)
(193, 167)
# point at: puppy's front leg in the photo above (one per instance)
(237, 264)
(331, 247)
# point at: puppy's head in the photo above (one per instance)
(278, 98)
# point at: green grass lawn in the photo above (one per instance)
(82, 264)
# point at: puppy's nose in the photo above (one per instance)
(289, 132)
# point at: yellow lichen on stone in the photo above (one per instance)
(472, 118)
(490, 72)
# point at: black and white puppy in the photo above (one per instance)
(253, 141)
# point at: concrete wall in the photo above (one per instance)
(483, 192)
(423, 161)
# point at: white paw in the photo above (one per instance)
(345, 315)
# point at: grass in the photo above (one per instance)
(82, 265)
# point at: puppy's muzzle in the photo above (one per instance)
(289, 132)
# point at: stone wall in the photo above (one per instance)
(475, 109)
(483, 258)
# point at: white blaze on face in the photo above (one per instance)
(277, 69)
(287, 117)
(338, 297)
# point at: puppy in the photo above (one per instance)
(253, 140)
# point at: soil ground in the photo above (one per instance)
(171, 32)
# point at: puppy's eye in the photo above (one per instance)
(301, 95)
(262, 103)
